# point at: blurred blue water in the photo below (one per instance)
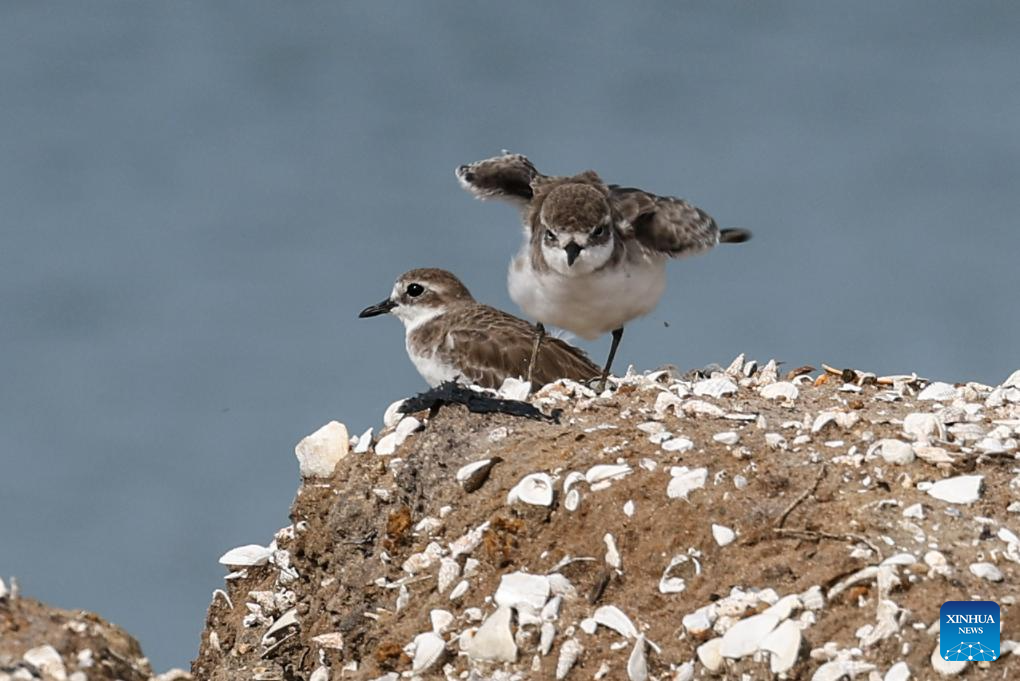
(197, 198)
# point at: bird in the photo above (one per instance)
(452, 337)
(594, 254)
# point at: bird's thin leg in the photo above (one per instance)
(539, 335)
(617, 335)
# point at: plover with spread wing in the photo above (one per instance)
(594, 254)
(452, 337)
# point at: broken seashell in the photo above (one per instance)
(429, 649)
(683, 481)
(522, 589)
(612, 617)
(473, 475)
(783, 390)
(637, 664)
(535, 489)
(612, 554)
(938, 392)
(715, 387)
(602, 472)
(569, 652)
(493, 640)
(247, 555)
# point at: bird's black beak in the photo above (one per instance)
(378, 309)
(573, 250)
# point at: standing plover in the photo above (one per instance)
(452, 337)
(594, 254)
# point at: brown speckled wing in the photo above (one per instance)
(489, 345)
(507, 177)
(665, 224)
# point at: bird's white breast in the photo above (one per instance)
(593, 304)
(431, 368)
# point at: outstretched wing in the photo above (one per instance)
(506, 177)
(492, 345)
(665, 224)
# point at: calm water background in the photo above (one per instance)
(197, 199)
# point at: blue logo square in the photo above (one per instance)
(969, 631)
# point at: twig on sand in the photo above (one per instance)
(804, 495)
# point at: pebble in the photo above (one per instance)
(723, 535)
(677, 444)
(986, 571)
(898, 672)
(946, 667)
(319, 453)
(963, 489)
(727, 438)
(710, 654)
(47, 660)
(896, 452)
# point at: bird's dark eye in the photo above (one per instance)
(599, 232)
(415, 290)
(550, 236)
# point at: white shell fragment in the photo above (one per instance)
(471, 476)
(898, 672)
(612, 553)
(428, 650)
(723, 535)
(522, 589)
(493, 640)
(710, 656)
(514, 389)
(684, 481)
(784, 644)
(714, 387)
(746, 636)
(569, 652)
(896, 451)
(938, 392)
(606, 472)
(535, 489)
(612, 617)
(393, 414)
(783, 390)
(963, 489)
(47, 660)
(672, 585)
(727, 437)
(247, 555)
(986, 571)
(319, 453)
(637, 664)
